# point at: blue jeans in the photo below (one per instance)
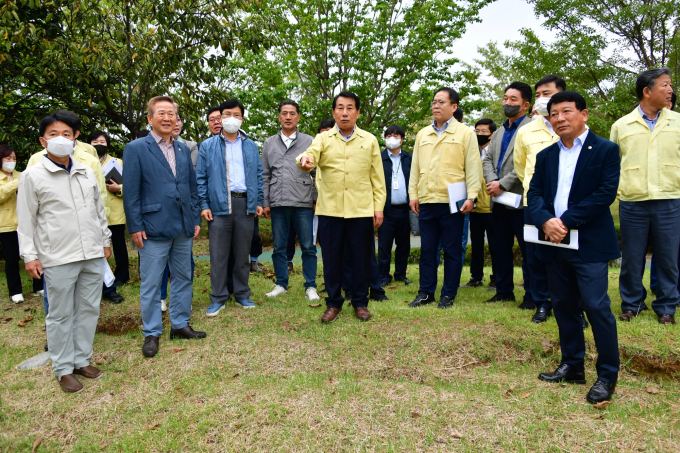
(166, 276)
(302, 219)
(155, 255)
(437, 223)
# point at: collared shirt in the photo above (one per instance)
(650, 122)
(444, 127)
(568, 160)
(347, 137)
(548, 124)
(484, 150)
(235, 166)
(508, 133)
(399, 195)
(168, 149)
(289, 140)
(67, 168)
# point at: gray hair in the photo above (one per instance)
(648, 79)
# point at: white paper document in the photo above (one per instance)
(457, 192)
(315, 227)
(113, 163)
(531, 235)
(108, 274)
(508, 199)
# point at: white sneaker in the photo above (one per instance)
(17, 298)
(164, 306)
(311, 294)
(40, 293)
(277, 291)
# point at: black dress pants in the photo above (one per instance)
(480, 223)
(120, 253)
(395, 228)
(10, 245)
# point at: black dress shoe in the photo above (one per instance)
(405, 280)
(601, 391)
(46, 348)
(585, 322)
(502, 297)
(114, 298)
(446, 302)
(187, 333)
(472, 283)
(564, 373)
(527, 304)
(541, 315)
(422, 299)
(150, 347)
(385, 282)
(118, 283)
(378, 297)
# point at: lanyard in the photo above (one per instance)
(395, 173)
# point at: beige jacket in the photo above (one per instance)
(61, 215)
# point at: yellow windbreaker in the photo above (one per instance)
(531, 139)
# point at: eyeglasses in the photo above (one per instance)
(439, 102)
(215, 119)
(162, 114)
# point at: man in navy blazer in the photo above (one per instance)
(161, 207)
(575, 182)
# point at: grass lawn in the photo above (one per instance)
(275, 379)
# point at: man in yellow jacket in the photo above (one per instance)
(444, 153)
(532, 139)
(649, 191)
(351, 198)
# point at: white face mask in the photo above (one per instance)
(60, 146)
(8, 166)
(392, 142)
(231, 124)
(541, 105)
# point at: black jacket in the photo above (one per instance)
(387, 167)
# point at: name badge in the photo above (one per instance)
(395, 184)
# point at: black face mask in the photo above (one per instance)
(483, 139)
(101, 149)
(511, 111)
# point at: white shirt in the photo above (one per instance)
(568, 160)
(288, 140)
(548, 124)
(484, 150)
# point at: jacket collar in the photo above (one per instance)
(386, 153)
(156, 151)
(15, 174)
(587, 150)
(76, 167)
(357, 131)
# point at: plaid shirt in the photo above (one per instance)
(168, 149)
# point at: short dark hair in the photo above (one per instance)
(348, 94)
(143, 133)
(568, 96)
(458, 115)
(326, 124)
(559, 82)
(230, 104)
(65, 116)
(290, 102)
(6, 151)
(96, 134)
(453, 94)
(487, 122)
(674, 98)
(394, 129)
(523, 88)
(648, 79)
(211, 110)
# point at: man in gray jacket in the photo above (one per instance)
(500, 176)
(289, 197)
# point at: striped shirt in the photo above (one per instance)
(168, 149)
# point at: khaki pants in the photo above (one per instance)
(75, 291)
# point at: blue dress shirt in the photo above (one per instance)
(650, 122)
(565, 178)
(400, 195)
(444, 127)
(508, 133)
(237, 172)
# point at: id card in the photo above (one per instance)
(395, 184)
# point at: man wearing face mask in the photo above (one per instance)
(500, 175)
(395, 227)
(532, 139)
(231, 195)
(63, 233)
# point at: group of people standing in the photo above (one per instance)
(337, 188)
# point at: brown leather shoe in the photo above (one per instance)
(627, 315)
(89, 372)
(666, 319)
(362, 313)
(70, 384)
(330, 315)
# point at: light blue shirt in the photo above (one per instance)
(568, 160)
(237, 171)
(347, 137)
(444, 127)
(650, 123)
(400, 195)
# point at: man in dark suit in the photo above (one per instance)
(161, 207)
(395, 227)
(574, 183)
